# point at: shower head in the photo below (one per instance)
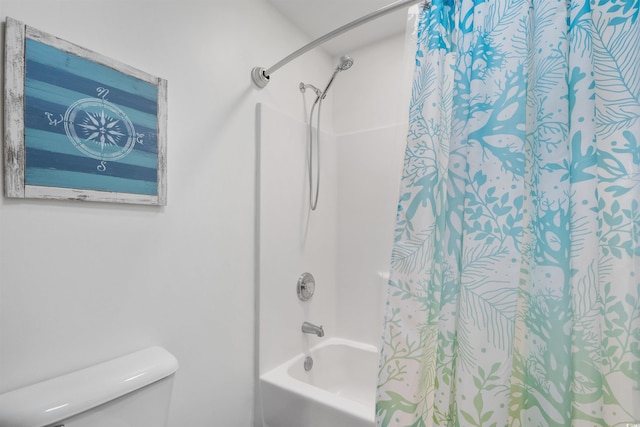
(345, 63)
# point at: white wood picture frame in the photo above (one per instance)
(80, 126)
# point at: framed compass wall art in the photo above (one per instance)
(80, 126)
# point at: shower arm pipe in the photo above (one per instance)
(261, 75)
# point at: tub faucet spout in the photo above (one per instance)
(310, 328)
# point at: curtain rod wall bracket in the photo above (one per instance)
(259, 77)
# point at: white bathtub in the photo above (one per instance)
(339, 391)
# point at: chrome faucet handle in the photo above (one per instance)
(306, 286)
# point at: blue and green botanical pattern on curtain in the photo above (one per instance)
(514, 295)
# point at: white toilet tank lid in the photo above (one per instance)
(62, 397)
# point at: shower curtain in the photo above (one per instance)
(514, 294)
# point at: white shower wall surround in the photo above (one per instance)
(291, 240)
(345, 243)
(369, 168)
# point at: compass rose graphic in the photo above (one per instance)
(99, 129)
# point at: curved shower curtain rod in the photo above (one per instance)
(261, 75)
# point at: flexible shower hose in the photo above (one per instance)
(313, 201)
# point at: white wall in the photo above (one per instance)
(81, 283)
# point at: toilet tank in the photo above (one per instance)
(129, 391)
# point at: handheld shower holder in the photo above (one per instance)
(303, 87)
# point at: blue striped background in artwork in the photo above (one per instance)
(55, 80)
(43, 141)
(40, 160)
(57, 94)
(38, 72)
(35, 118)
(68, 179)
(45, 54)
